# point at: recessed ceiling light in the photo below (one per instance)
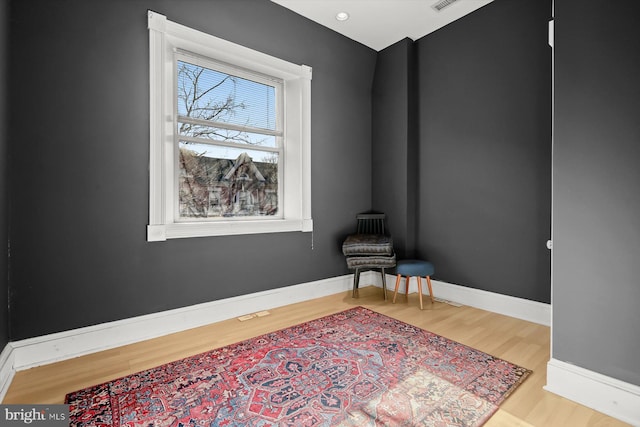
(342, 16)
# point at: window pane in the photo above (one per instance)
(208, 94)
(217, 134)
(216, 182)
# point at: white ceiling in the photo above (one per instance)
(380, 23)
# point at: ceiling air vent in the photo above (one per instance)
(442, 4)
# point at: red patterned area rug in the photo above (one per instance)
(354, 368)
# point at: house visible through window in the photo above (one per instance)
(229, 137)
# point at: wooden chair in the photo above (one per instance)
(370, 248)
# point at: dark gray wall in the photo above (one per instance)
(79, 123)
(4, 255)
(485, 149)
(596, 197)
(470, 103)
(394, 143)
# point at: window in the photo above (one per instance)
(229, 133)
(230, 137)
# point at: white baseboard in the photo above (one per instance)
(520, 308)
(55, 347)
(608, 395)
(6, 369)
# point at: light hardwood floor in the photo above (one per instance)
(518, 341)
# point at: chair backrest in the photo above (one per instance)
(371, 223)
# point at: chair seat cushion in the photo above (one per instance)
(414, 268)
(367, 244)
(374, 261)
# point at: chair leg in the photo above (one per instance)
(419, 291)
(356, 280)
(395, 293)
(430, 290)
(384, 283)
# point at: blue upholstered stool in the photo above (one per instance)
(414, 268)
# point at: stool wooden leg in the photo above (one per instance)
(430, 289)
(420, 291)
(395, 293)
(406, 286)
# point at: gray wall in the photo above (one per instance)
(79, 123)
(485, 149)
(394, 143)
(451, 138)
(596, 196)
(4, 255)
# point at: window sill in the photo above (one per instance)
(162, 232)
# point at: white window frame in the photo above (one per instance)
(166, 38)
